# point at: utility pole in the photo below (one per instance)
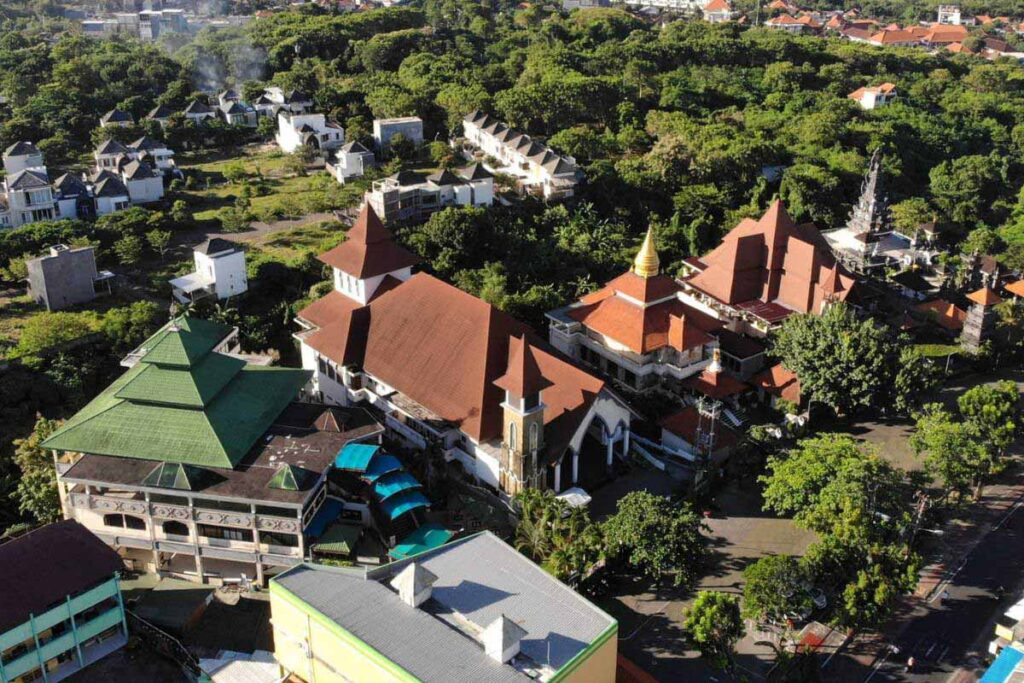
(708, 413)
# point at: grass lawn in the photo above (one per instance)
(14, 312)
(315, 238)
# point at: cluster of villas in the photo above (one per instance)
(124, 175)
(230, 108)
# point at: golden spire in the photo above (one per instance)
(646, 263)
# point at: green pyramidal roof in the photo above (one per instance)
(188, 405)
(288, 478)
(168, 475)
(183, 341)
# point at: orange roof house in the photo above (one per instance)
(685, 426)
(1016, 288)
(437, 354)
(769, 268)
(944, 313)
(779, 382)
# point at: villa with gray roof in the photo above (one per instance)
(410, 196)
(116, 117)
(179, 463)
(471, 610)
(535, 166)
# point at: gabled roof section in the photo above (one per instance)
(985, 297)
(216, 245)
(117, 116)
(70, 185)
(475, 172)
(160, 112)
(21, 149)
(197, 107)
(369, 249)
(110, 186)
(522, 376)
(28, 179)
(146, 143)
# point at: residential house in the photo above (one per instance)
(234, 111)
(22, 156)
(29, 198)
(885, 37)
(155, 153)
(310, 130)
(351, 160)
(64, 277)
(636, 329)
(161, 114)
(409, 127)
(949, 15)
(786, 22)
(61, 609)
(874, 96)
(73, 198)
(764, 271)
(536, 168)
(688, 6)
(109, 154)
(451, 371)
(426, 619)
(219, 272)
(144, 185)
(116, 117)
(197, 465)
(197, 112)
(294, 101)
(718, 11)
(109, 193)
(409, 196)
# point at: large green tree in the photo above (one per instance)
(714, 624)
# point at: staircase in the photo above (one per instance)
(735, 417)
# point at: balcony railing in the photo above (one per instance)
(183, 513)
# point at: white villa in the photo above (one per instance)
(312, 130)
(537, 169)
(351, 160)
(407, 195)
(220, 272)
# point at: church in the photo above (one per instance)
(450, 372)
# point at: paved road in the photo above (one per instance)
(949, 641)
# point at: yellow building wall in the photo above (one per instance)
(335, 656)
(599, 667)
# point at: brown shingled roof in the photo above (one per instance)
(773, 259)
(369, 249)
(522, 376)
(44, 566)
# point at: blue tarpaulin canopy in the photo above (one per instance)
(356, 456)
(327, 513)
(427, 537)
(1005, 664)
(393, 483)
(398, 504)
(382, 464)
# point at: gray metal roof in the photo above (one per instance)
(480, 578)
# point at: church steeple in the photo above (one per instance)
(646, 263)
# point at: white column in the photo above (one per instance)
(610, 450)
(575, 467)
(625, 443)
(558, 477)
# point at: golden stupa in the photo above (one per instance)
(646, 263)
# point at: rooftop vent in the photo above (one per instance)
(414, 584)
(501, 639)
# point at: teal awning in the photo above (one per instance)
(383, 464)
(394, 483)
(427, 537)
(404, 502)
(356, 456)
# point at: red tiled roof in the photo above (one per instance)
(716, 384)
(1016, 288)
(780, 382)
(684, 424)
(718, 6)
(985, 296)
(946, 34)
(328, 308)
(522, 376)
(444, 349)
(946, 314)
(369, 249)
(773, 259)
(888, 37)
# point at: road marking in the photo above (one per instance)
(1016, 506)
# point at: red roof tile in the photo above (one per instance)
(985, 296)
(946, 314)
(780, 382)
(716, 385)
(522, 376)
(1016, 288)
(328, 308)
(773, 259)
(684, 424)
(369, 249)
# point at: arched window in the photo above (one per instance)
(134, 523)
(175, 528)
(511, 436)
(534, 436)
(113, 520)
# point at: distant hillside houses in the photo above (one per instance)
(124, 175)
